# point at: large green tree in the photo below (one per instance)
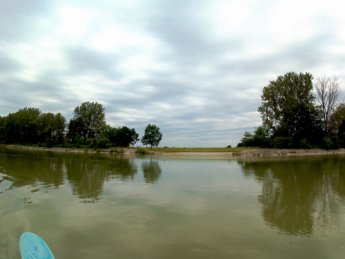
(88, 120)
(51, 128)
(122, 136)
(22, 127)
(337, 124)
(152, 136)
(337, 118)
(288, 109)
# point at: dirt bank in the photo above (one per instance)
(289, 152)
(221, 155)
(122, 151)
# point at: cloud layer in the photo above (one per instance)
(194, 68)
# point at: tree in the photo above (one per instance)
(88, 120)
(259, 139)
(337, 124)
(152, 136)
(22, 127)
(337, 118)
(327, 90)
(121, 137)
(51, 127)
(76, 129)
(2, 129)
(59, 126)
(287, 107)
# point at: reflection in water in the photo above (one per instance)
(151, 170)
(86, 174)
(196, 208)
(87, 177)
(298, 195)
(29, 171)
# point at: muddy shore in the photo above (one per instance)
(131, 152)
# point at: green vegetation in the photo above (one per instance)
(29, 125)
(152, 136)
(141, 151)
(87, 129)
(294, 117)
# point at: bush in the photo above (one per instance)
(330, 142)
(101, 142)
(303, 143)
(327, 143)
(141, 151)
(282, 142)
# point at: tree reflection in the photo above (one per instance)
(152, 171)
(86, 174)
(297, 195)
(32, 170)
(87, 177)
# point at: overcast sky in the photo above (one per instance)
(195, 68)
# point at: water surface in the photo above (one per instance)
(114, 207)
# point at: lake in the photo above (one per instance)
(89, 206)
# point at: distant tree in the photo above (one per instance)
(59, 128)
(2, 129)
(246, 140)
(22, 127)
(51, 128)
(260, 138)
(327, 90)
(46, 128)
(152, 136)
(121, 137)
(30, 126)
(76, 129)
(337, 118)
(287, 108)
(337, 124)
(88, 120)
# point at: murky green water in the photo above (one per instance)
(108, 207)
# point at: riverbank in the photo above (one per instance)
(110, 151)
(289, 152)
(186, 152)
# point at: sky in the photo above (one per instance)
(195, 68)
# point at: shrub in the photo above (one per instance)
(141, 151)
(282, 142)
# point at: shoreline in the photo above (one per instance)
(120, 151)
(131, 152)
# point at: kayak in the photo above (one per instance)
(33, 246)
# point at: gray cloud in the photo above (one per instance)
(195, 72)
(83, 60)
(7, 64)
(17, 18)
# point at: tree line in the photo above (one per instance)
(299, 114)
(87, 128)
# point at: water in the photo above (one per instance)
(112, 207)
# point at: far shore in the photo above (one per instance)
(187, 152)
